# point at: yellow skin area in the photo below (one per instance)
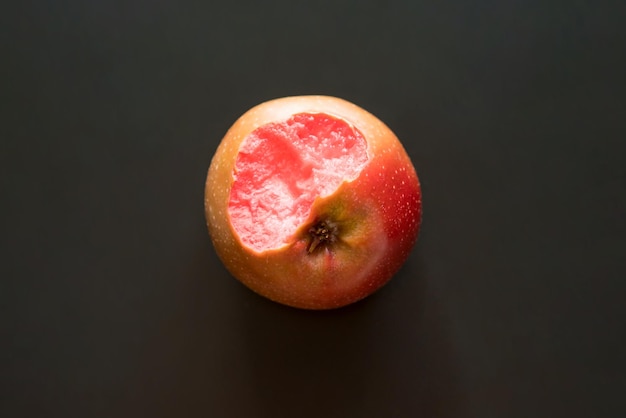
(364, 257)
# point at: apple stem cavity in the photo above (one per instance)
(322, 234)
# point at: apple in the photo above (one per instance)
(312, 202)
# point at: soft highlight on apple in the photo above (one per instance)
(312, 202)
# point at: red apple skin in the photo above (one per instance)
(378, 216)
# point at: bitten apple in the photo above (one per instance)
(312, 202)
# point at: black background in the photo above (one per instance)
(114, 304)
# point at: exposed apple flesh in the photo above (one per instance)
(312, 202)
(282, 167)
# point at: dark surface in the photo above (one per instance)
(114, 304)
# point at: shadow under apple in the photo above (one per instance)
(387, 355)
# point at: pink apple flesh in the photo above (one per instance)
(283, 167)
